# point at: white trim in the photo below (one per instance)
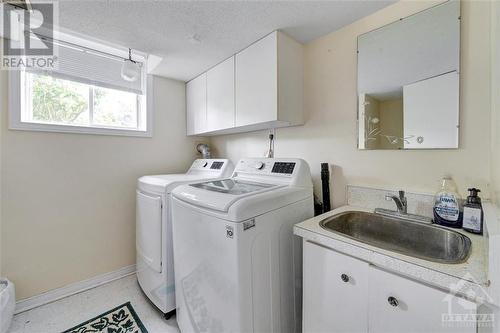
(491, 228)
(72, 289)
(150, 105)
(15, 109)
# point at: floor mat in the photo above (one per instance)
(122, 319)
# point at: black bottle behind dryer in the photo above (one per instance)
(325, 186)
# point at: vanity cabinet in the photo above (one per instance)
(345, 294)
(258, 88)
(335, 289)
(397, 304)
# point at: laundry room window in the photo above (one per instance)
(85, 93)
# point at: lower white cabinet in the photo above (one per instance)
(344, 294)
(397, 304)
(335, 291)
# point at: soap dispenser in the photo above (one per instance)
(448, 205)
(473, 213)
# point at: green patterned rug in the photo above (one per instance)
(121, 319)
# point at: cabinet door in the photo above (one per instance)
(431, 116)
(335, 291)
(257, 82)
(220, 96)
(397, 304)
(196, 105)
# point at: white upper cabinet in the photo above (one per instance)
(220, 96)
(196, 105)
(260, 87)
(269, 82)
(257, 82)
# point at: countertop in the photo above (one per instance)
(468, 279)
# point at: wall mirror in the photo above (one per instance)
(408, 82)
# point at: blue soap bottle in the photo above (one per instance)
(448, 205)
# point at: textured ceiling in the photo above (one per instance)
(165, 28)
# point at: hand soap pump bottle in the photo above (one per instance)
(473, 213)
(447, 205)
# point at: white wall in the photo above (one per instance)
(329, 134)
(69, 199)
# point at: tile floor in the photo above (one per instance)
(71, 311)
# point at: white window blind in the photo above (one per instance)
(95, 68)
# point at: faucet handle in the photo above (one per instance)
(402, 197)
(404, 201)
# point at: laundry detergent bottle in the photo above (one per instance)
(448, 205)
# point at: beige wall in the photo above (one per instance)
(329, 134)
(69, 199)
(391, 122)
(495, 94)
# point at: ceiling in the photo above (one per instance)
(220, 28)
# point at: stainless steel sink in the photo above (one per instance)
(410, 238)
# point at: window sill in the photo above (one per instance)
(78, 129)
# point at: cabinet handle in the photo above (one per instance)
(393, 301)
(345, 277)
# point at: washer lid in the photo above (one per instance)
(166, 183)
(232, 186)
(221, 194)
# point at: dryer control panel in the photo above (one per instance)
(218, 167)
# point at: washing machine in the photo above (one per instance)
(155, 267)
(238, 266)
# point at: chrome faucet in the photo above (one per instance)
(402, 212)
(401, 202)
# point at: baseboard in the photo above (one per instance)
(71, 289)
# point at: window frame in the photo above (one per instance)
(17, 107)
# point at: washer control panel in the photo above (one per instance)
(259, 165)
(269, 167)
(290, 171)
(283, 167)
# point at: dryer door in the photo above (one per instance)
(148, 229)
